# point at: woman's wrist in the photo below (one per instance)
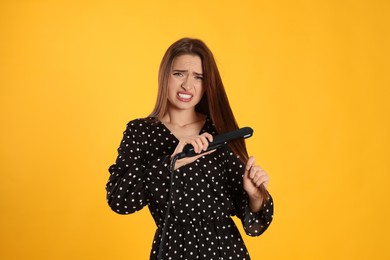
(255, 203)
(178, 165)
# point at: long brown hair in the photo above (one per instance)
(214, 102)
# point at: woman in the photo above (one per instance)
(193, 209)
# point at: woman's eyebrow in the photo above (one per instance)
(179, 70)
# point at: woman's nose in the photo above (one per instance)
(187, 84)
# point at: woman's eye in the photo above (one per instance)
(199, 77)
(178, 74)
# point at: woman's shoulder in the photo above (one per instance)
(140, 128)
(143, 122)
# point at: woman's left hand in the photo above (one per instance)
(254, 176)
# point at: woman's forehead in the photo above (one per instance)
(187, 61)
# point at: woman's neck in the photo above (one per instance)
(181, 117)
(183, 123)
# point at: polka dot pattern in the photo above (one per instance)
(205, 194)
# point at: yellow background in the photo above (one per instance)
(311, 78)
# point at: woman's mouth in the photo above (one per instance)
(184, 97)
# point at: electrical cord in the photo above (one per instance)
(166, 218)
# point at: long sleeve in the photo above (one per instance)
(254, 223)
(126, 188)
(205, 194)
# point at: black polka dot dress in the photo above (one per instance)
(205, 194)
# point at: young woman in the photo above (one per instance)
(193, 209)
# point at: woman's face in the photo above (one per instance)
(185, 82)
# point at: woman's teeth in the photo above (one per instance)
(185, 96)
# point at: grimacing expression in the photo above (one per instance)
(185, 82)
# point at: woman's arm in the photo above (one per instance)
(255, 212)
(126, 189)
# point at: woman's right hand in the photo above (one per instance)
(200, 144)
